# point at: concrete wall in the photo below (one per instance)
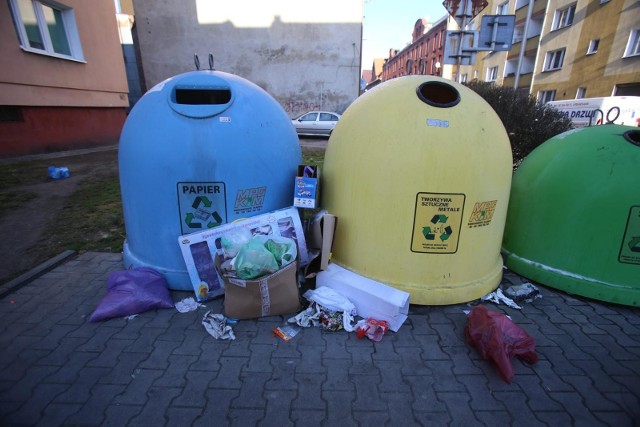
(305, 54)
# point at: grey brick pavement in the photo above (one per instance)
(162, 368)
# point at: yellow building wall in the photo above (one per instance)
(599, 72)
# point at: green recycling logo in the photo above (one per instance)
(630, 247)
(203, 213)
(202, 205)
(443, 230)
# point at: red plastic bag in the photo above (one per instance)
(131, 292)
(497, 338)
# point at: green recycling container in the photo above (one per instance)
(573, 221)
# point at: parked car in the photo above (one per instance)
(316, 123)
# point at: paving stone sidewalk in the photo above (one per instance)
(161, 368)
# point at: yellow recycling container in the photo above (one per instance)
(418, 171)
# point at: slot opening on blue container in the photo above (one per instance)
(202, 96)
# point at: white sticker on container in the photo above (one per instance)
(225, 119)
(438, 123)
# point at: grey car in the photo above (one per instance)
(316, 123)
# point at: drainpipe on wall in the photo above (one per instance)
(523, 45)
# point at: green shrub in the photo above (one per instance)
(528, 123)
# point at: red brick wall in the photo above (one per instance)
(38, 130)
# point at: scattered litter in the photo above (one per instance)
(498, 296)
(187, 305)
(374, 329)
(12, 301)
(286, 332)
(498, 339)
(523, 292)
(370, 298)
(332, 310)
(216, 325)
(58, 173)
(133, 316)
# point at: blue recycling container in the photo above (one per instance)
(198, 150)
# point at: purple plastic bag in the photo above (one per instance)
(131, 292)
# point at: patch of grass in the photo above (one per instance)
(91, 220)
(23, 173)
(14, 199)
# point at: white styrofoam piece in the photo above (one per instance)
(371, 299)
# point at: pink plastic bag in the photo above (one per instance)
(497, 338)
(131, 292)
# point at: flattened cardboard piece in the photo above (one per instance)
(270, 295)
(307, 187)
(320, 233)
(199, 249)
(372, 299)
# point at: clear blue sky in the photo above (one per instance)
(389, 24)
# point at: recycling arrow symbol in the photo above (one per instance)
(634, 244)
(429, 234)
(201, 199)
(190, 219)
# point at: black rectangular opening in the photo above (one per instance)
(203, 96)
(10, 114)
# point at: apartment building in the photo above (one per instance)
(565, 49)
(424, 55)
(561, 49)
(62, 80)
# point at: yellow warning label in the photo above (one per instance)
(437, 222)
(482, 213)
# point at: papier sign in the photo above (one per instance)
(199, 249)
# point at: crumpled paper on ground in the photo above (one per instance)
(498, 296)
(187, 305)
(216, 325)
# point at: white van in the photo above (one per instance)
(621, 110)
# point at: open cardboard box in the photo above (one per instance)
(270, 295)
(320, 232)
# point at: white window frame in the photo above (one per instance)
(503, 9)
(545, 96)
(564, 17)
(492, 74)
(593, 46)
(633, 45)
(68, 23)
(581, 93)
(553, 60)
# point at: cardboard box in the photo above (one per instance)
(270, 295)
(320, 233)
(307, 187)
(199, 249)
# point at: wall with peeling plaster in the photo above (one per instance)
(305, 59)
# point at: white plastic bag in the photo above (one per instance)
(333, 301)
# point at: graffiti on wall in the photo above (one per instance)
(295, 107)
